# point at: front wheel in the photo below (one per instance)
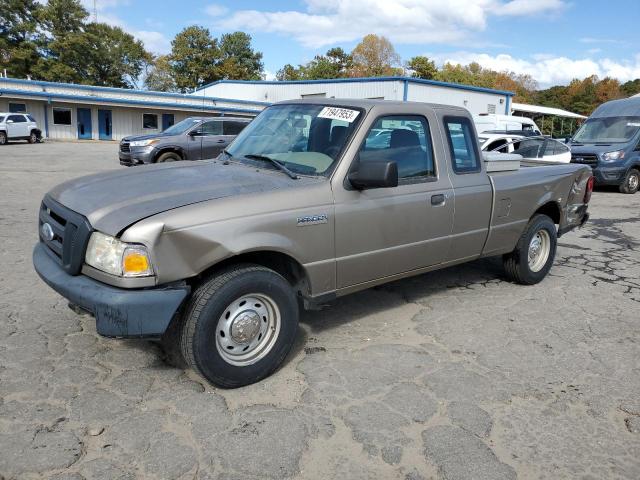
(33, 138)
(168, 157)
(3, 138)
(631, 182)
(535, 252)
(239, 325)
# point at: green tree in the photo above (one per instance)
(160, 76)
(194, 58)
(18, 36)
(59, 18)
(375, 56)
(289, 72)
(238, 60)
(630, 88)
(336, 63)
(422, 67)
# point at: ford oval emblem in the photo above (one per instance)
(47, 232)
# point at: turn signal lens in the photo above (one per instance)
(135, 263)
(589, 189)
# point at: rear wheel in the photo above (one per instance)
(535, 252)
(169, 157)
(33, 138)
(631, 182)
(239, 325)
(3, 138)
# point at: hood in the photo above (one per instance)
(135, 138)
(112, 201)
(596, 148)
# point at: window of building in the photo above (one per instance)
(17, 107)
(150, 121)
(62, 116)
(231, 127)
(404, 139)
(462, 145)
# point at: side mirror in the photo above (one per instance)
(374, 175)
(195, 133)
(9, 121)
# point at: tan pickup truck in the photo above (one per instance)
(312, 201)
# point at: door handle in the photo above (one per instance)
(437, 199)
(221, 141)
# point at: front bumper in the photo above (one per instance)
(118, 312)
(609, 175)
(136, 156)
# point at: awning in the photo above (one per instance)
(558, 112)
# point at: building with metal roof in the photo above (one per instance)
(68, 111)
(477, 100)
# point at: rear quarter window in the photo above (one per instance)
(462, 145)
(231, 127)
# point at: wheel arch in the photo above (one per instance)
(551, 209)
(170, 148)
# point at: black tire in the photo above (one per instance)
(517, 265)
(631, 182)
(33, 137)
(3, 138)
(169, 157)
(200, 331)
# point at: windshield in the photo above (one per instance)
(608, 130)
(181, 127)
(306, 138)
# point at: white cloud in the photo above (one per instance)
(155, 42)
(326, 22)
(547, 69)
(529, 7)
(216, 10)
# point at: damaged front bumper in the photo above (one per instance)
(118, 312)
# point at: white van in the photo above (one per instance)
(494, 123)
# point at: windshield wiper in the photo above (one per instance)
(276, 163)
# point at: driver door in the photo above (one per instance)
(387, 231)
(16, 126)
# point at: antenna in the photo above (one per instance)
(95, 11)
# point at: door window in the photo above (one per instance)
(17, 118)
(462, 145)
(211, 128)
(231, 127)
(404, 139)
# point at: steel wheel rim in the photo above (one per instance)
(248, 329)
(633, 182)
(3, 139)
(539, 250)
(33, 138)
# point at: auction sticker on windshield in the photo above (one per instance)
(335, 113)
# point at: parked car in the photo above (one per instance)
(502, 123)
(194, 138)
(19, 126)
(217, 256)
(609, 142)
(531, 148)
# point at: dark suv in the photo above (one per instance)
(194, 138)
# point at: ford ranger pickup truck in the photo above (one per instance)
(303, 207)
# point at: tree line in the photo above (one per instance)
(57, 41)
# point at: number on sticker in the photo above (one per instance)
(335, 113)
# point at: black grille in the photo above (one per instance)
(590, 159)
(124, 147)
(71, 232)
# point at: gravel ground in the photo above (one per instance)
(455, 374)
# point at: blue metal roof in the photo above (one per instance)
(366, 79)
(128, 91)
(111, 100)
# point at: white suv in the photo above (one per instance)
(18, 126)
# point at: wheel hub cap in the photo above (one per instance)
(633, 182)
(245, 327)
(539, 250)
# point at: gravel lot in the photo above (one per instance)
(455, 374)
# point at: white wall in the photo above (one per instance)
(476, 102)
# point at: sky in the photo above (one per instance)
(552, 40)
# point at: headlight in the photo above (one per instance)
(143, 143)
(110, 255)
(613, 156)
